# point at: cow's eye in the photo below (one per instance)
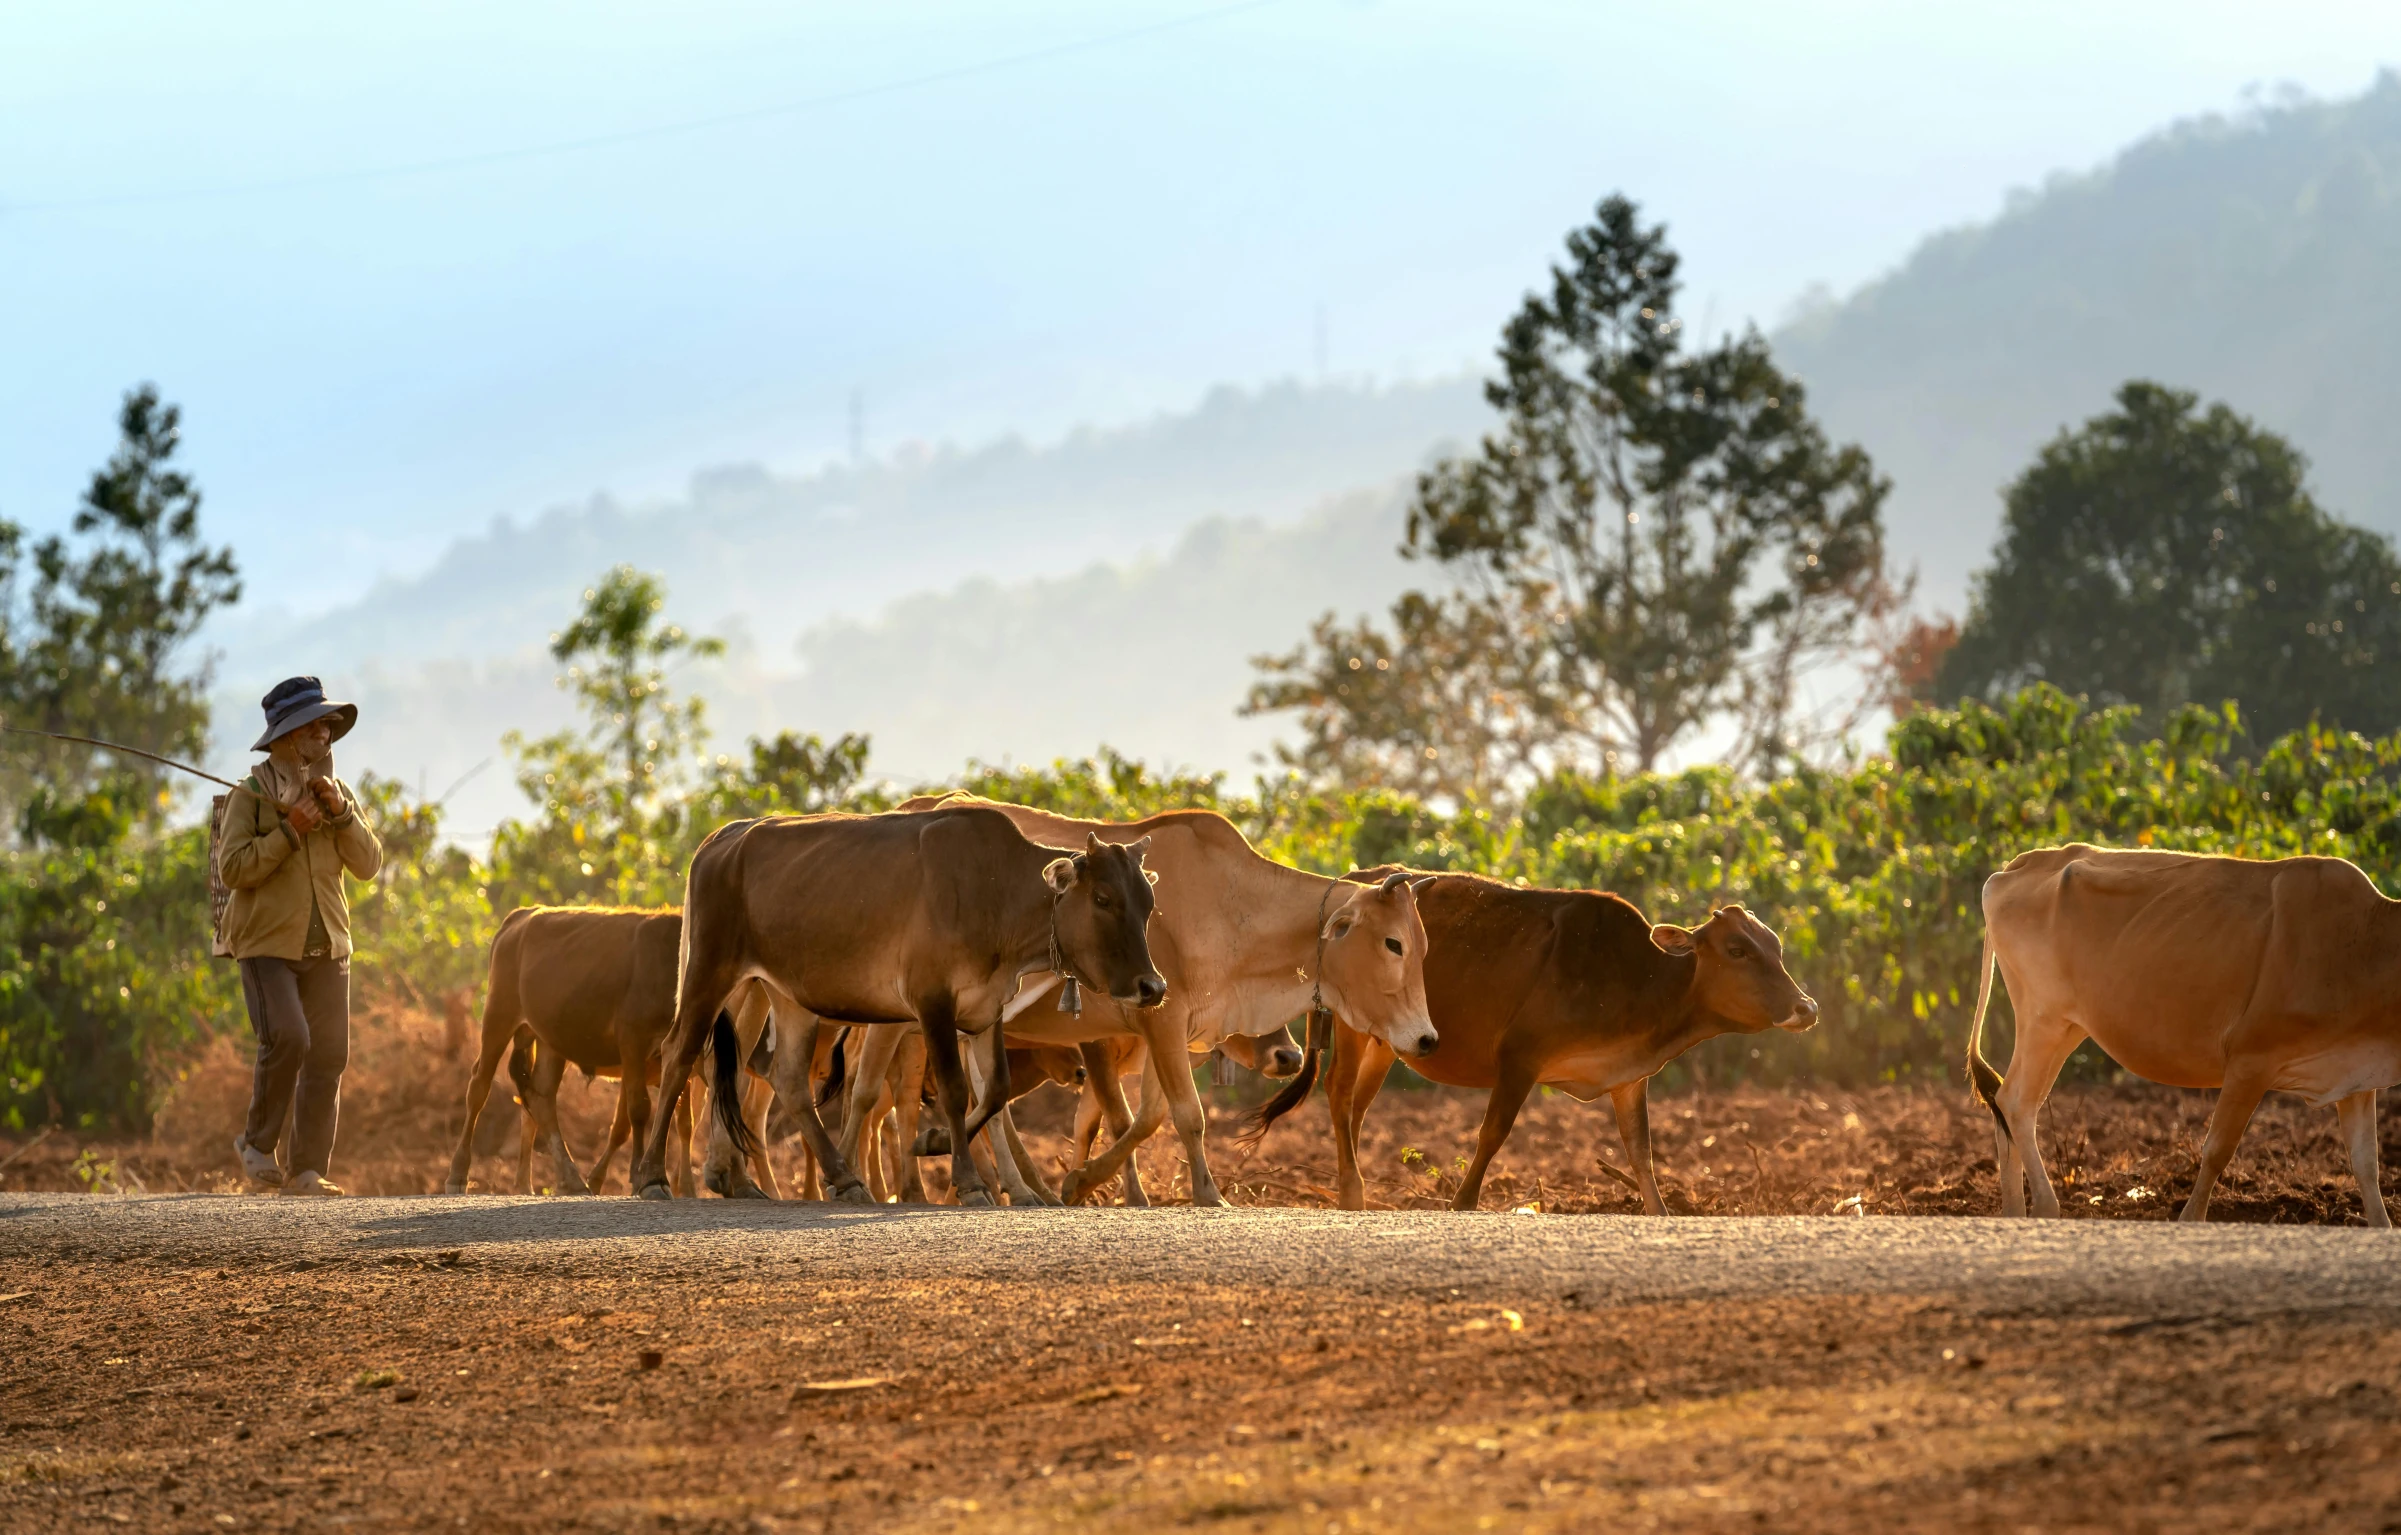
(1394, 944)
(1737, 949)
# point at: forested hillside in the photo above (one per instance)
(2249, 258)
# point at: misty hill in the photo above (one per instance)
(783, 553)
(2256, 259)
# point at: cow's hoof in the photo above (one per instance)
(653, 1191)
(853, 1193)
(932, 1141)
(976, 1199)
(454, 1188)
(747, 1191)
(1071, 1188)
(1208, 1199)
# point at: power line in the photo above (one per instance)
(492, 157)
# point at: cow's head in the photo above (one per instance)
(1374, 973)
(1270, 1055)
(1032, 1065)
(1102, 909)
(1739, 973)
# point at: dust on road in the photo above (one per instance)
(261, 1364)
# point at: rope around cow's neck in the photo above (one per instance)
(1317, 981)
(1071, 991)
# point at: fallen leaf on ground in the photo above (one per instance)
(833, 1387)
(1105, 1394)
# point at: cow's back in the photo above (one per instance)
(1490, 952)
(581, 971)
(852, 901)
(2161, 956)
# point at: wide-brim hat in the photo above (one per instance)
(298, 701)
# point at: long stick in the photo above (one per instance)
(55, 735)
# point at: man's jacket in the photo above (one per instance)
(273, 871)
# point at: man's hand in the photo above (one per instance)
(305, 817)
(329, 795)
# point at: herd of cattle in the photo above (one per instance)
(964, 953)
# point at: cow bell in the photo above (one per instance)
(1071, 997)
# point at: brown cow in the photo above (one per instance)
(933, 918)
(2248, 976)
(1244, 943)
(590, 987)
(1570, 989)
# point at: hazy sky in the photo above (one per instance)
(984, 217)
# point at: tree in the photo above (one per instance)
(793, 774)
(2163, 553)
(614, 822)
(1658, 536)
(1455, 702)
(99, 647)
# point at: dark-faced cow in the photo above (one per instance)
(2247, 976)
(1572, 989)
(1244, 942)
(930, 918)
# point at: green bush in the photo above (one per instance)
(1871, 874)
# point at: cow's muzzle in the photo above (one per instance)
(1804, 1016)
(1283, 1061)
(1149, 991)
(1420, 1044)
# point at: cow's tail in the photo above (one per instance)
(836, 1068)
(1982, 1079)
(1295, 1092)
(725, 1084)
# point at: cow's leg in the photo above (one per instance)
(722, 1169)
(1001, 1158)
(2237, 1101)
(872, 1054)
(1500, 1116)
(758, 1101)
(679, 1177)
(1103, 1102)
(542, 1108)
(620, 1127)
(795, 1060)
(2044, 1043)
(529, 1130)
(874, 1160)
(1355, 1073)
(1120, 1152)
(1028, 1169)
(1632, 1101)
(2357, 1114)
(1171, 1066)
(707, 980)
(908, 1107)
(500, 1028)
(812, 1184)
(950, 1081)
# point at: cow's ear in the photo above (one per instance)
(1344, 921)
(1059, 873)
(1674, 939)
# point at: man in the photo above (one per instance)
(291, 828)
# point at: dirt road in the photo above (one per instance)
(214, 1363)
